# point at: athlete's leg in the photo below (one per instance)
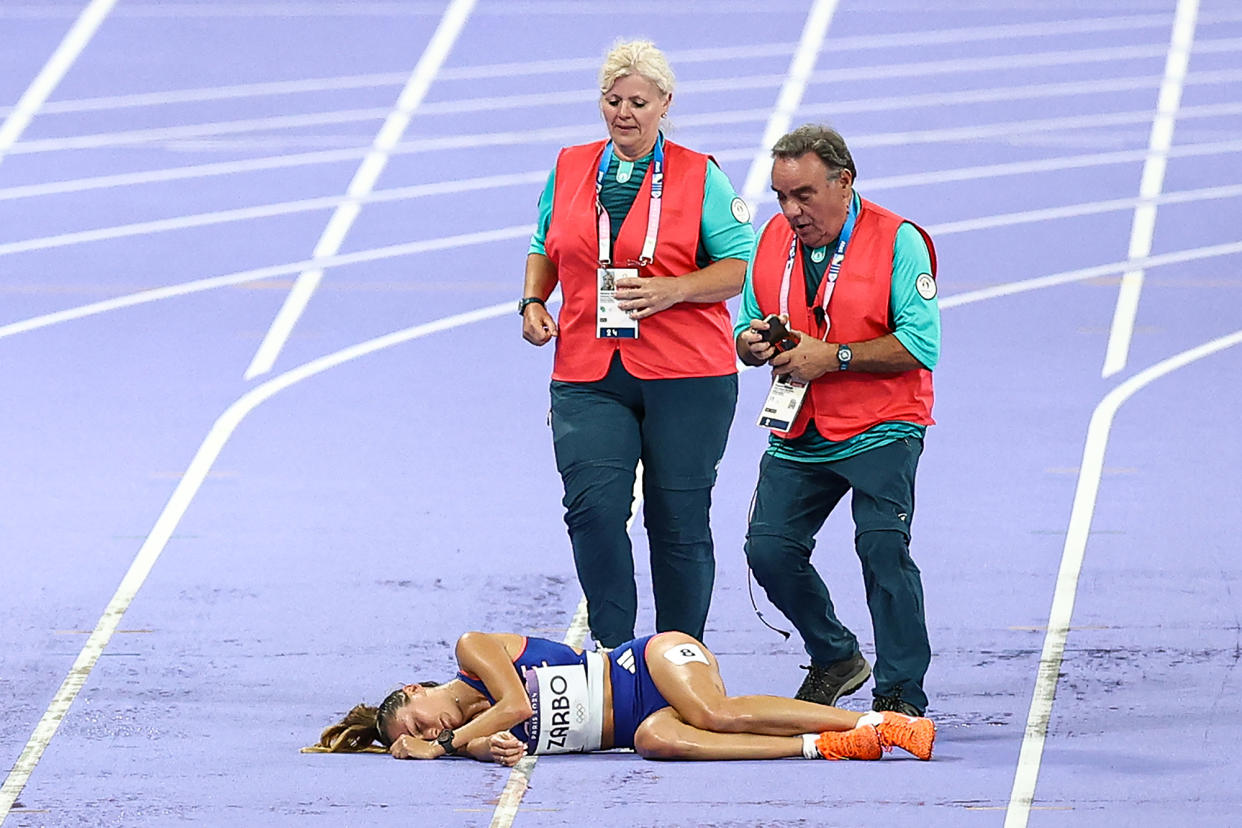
(688, 677)
(665, 735)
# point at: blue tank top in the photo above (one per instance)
(634, 694)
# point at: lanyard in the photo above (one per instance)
(604, 223)
(834, 268)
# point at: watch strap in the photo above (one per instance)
(526, 302)
(445, 740)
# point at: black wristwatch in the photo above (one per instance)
(523, 304)
(844, 355)
(445, 740)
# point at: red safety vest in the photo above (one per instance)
(847, 403)
(686, 340)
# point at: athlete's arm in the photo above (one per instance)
(484, 655)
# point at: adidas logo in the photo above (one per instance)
(626, 660)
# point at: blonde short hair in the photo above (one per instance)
(636, 57)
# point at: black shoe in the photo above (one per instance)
(896, 704)
(824, 685)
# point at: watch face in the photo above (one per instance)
(845, 354)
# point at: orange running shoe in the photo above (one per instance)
(859, 743)
(914, 734)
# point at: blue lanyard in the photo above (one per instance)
(604, 223)
(834, 267)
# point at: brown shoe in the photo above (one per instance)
(824, 685)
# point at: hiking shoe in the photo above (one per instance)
(824, 685)
(913, 734)
(859, 743)
(896, 704)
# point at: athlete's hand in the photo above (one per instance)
(409, 747)
(641, 297)
(506, 749)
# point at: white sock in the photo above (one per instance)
(809, 751)
(872, 718)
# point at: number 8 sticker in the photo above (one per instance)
(686, 653)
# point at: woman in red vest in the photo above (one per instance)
(646, 239)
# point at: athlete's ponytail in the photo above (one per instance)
(363, 726)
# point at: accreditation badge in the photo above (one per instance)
(784, 401)
(610, 321)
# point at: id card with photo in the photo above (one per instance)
(610, 321)
(784, 401)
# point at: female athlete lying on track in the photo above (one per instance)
(661, 695)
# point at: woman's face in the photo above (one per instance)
(632, 108)
(424, 716)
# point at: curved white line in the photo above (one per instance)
(171, 515)
(1091, 470)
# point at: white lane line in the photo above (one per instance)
(510, 799)
(1083, 209)
(1023, 794)
(170, 517)
(138, 137)
(1095, 272)
(78, 36)
(383, 79)
(1007, 129)
(801, 66)
(283, 208)
(1143, 226)
(258, 274)
(377, 254)
(537, 176)
(368, 173)
(713, 118)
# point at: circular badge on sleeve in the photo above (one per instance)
(740, 211)
(926, 286)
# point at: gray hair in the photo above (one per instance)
(636, 57)
(824, 141)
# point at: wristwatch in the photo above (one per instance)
(844, 355)
(523, 304)
(445, 740)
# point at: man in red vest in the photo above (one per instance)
(855, 286)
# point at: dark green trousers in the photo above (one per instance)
(678, 428)
(792, 501)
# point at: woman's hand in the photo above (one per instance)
(506, 748)
(646, 296)
(538, 326)
(410, 747)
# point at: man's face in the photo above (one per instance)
(814, 202)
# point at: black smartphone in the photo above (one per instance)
(777, 335)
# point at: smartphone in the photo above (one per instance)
(777, 335)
